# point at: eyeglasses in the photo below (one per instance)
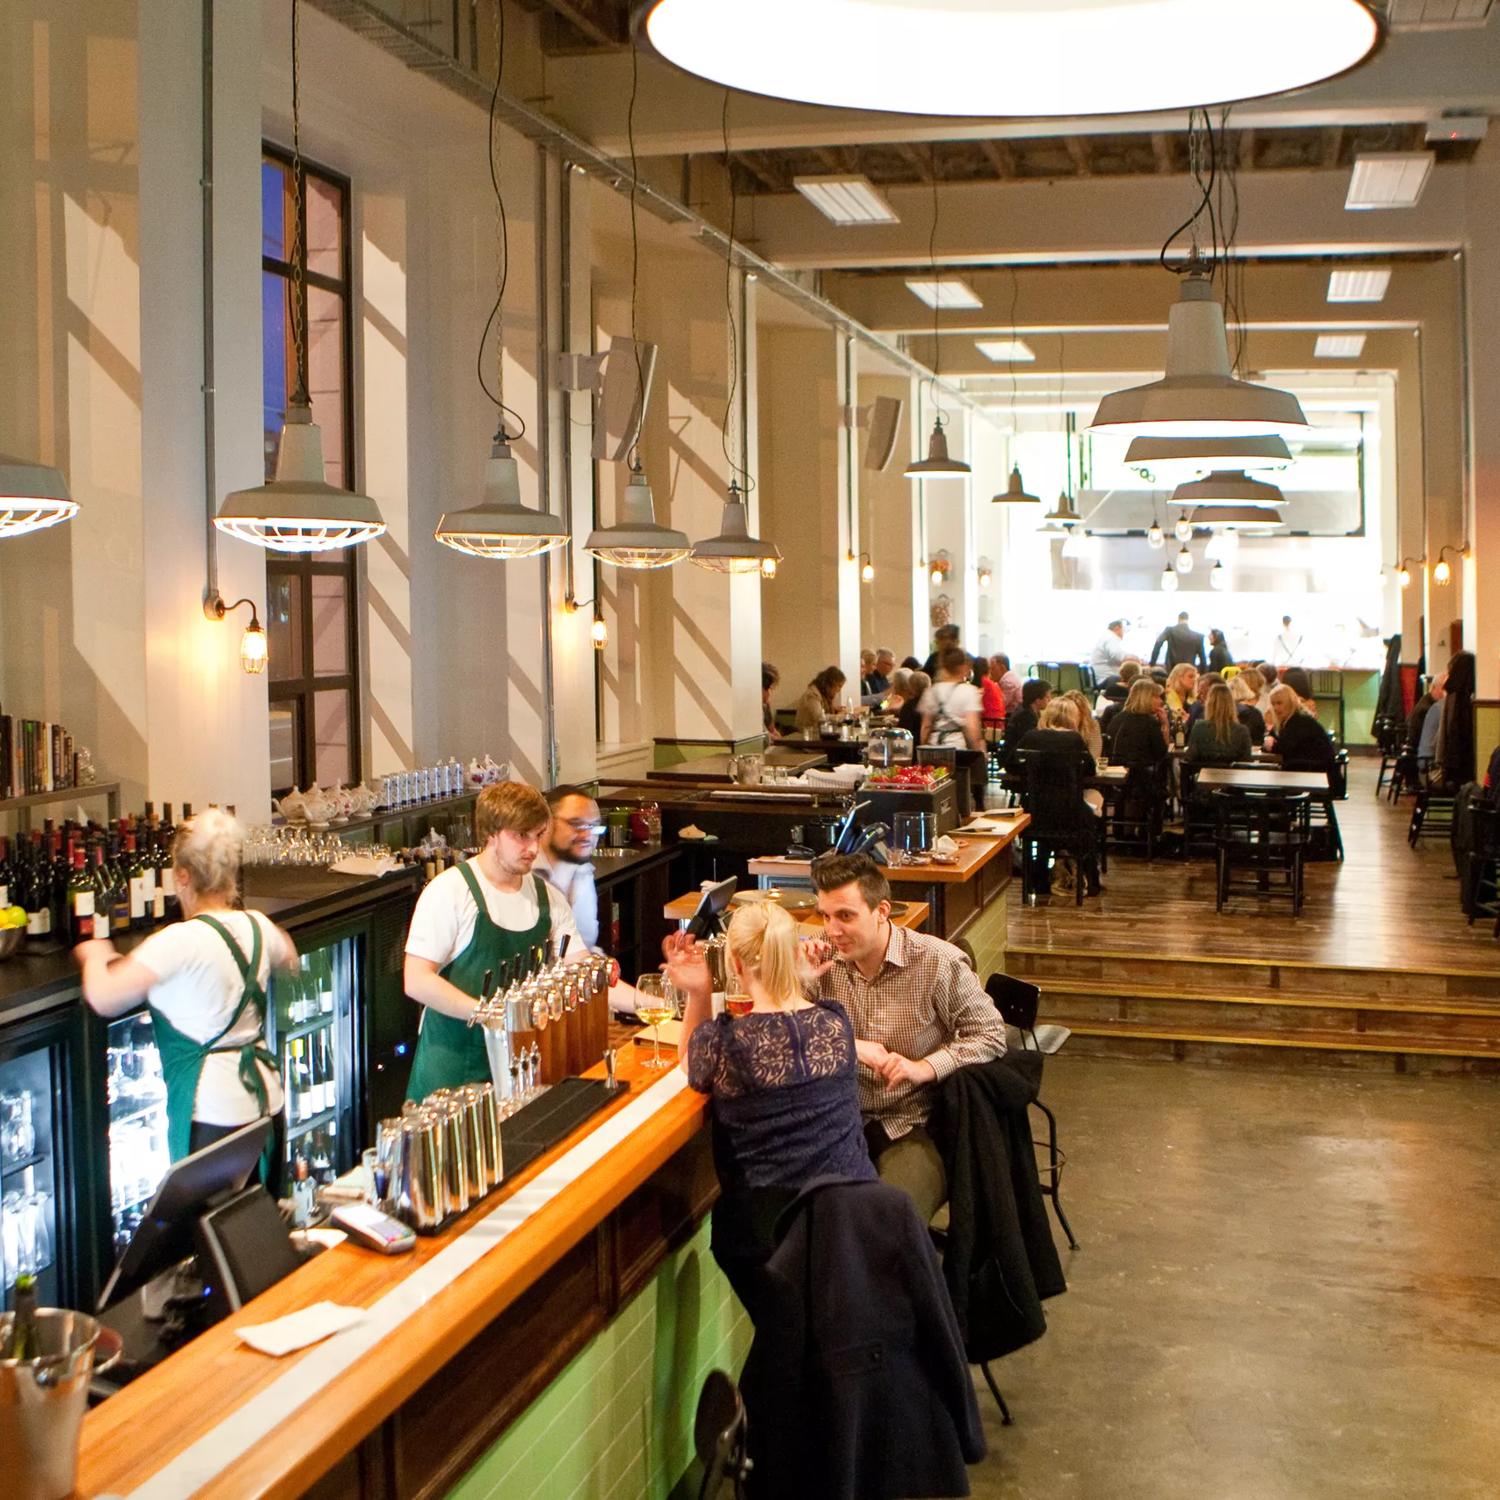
(584, 825)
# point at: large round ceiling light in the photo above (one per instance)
(1012, 58)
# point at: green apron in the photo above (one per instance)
(451, 1052)
(182, 1058)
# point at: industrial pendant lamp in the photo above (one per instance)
(734, 550)
(500, 526)
(1172, 460)
(1015, 492)
(1062, 514)
(1242, 518)
(937, 464)
(299, 511)
(937, 57)
(32, 497)
(1226, 488)
(1199, 397)
(635, 540)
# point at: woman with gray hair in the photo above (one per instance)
(204, 980)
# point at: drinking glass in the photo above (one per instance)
(913, 835)
(657, 1003)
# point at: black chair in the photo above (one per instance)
(1017, 1002)
(1134, 814)
(1390, 735)
(1480, 866)
(1197, 811)
(719, 1437)
(1328, 840)
(1263, 834)
(1406, 774)
(1061, 822)
(1431, 815)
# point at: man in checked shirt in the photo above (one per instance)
(919, 1014)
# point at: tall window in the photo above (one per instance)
(311, 622)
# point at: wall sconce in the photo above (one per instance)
(253, 643)
(1403, 573)
(938, 569)
(866, 568)
(1442, 572)
(768, 567)
(986, 573)
(599, 633)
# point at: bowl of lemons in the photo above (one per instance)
(12, 930)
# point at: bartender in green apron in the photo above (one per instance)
(487, 915)
(204, 980)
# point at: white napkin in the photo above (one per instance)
(365, 865)
(945, 845)
(299, 1329)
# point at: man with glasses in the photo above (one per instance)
(566, 859)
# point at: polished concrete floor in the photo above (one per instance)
(1288, 1286)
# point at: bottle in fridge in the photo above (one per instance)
(31, 1167)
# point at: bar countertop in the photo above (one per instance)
(199, 1392)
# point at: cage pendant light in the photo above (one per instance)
(299, 511)
(636, 540)
(32, 497)
(500, 526)
(734, 550)
(1198, 397)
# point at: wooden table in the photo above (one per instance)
(413, 1415)
(717, 767)
(916, 913)
(1263, 779)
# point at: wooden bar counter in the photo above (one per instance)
(412, 1415)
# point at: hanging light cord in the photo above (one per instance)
(632, 459)
(1203, 163)
(299, 340)
(736, 470)
(937, 297)
(514, 430)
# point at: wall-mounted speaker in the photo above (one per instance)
(883, 428)
(623, 393)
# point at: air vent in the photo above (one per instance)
(1436, 15)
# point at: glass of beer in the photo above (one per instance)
(656, 1002)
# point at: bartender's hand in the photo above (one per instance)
(686, 964)
(94, 948)
(898, 1070)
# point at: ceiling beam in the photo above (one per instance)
(1002, 157)
(1079, 152)
(599, 20)
(1161, 149)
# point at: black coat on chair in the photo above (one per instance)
(1000, 1261)
(856, 1387)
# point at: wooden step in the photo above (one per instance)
(1387, 1052)
(1064, 992)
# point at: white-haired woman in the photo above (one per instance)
(204, 980)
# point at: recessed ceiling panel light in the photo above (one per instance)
(1339, 346)
(846, 200)
(1388, 179)
(1358, 286)
(1014, 351)
(938, 57)
(946, 291)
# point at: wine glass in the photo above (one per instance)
(657, 1002)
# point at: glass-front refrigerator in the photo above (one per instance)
(34, 1209)
(312, 1034)
(137, 1098)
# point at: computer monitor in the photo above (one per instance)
(706, 921)
(165, 1234)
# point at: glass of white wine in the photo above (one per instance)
(656, 1002)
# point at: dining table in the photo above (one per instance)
(1263, 779)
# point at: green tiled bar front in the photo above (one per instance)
(618, 1422)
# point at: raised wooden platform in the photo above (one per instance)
(1382, 971)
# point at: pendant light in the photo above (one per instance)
(733, 550)
(1227, 488)
(1156, 538)
(938, 57)
(1168, 580)
(1063, 513)
(1172, 460)
(635, 540)
(1016, 493)
(32, 497)
(1219, 577)
(1222, 545)
(938, 464)
(299, 511)
(500, 526)
(1198, 397)
(1242, 517)
(1182, 529)
(1183, 562)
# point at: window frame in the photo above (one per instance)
(299, 693)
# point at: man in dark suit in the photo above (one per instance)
(1183, 644)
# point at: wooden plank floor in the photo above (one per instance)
(1386, 907)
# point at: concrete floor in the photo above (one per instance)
(1288, 1287)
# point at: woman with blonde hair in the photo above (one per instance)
(204, 980)
(1138, 733)
(1182, 683)
(1218, 738)
(1087, 725)
(1246, 687)
(783, 1080)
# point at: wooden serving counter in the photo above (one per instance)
(412, 1415)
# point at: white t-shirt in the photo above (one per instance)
(443, 923)
(575, 880)
(198, 988)
(950, 703)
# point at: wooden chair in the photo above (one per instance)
(1061, 823)
(1265, 835)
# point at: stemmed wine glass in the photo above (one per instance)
(657, 1003)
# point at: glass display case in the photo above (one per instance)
(136, 1095)
(31, 1168)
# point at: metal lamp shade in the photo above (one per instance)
(937, 464)
(635, 540)
(1174, 459)
(1245, 517)
(1226, 488)
(1168, 581)
(1198, 397)
(1062, 514)
(500, 526)
(299, 511)
(1016, 493)
(32, 497)
(734, 550)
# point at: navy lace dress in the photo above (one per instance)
(785, 1110)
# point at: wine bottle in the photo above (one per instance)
(7, 874)
(119, 890)
(80, 899)
(24, 1342)
(103, 927)
(59, 872)
(38, 901)
(140, 882)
